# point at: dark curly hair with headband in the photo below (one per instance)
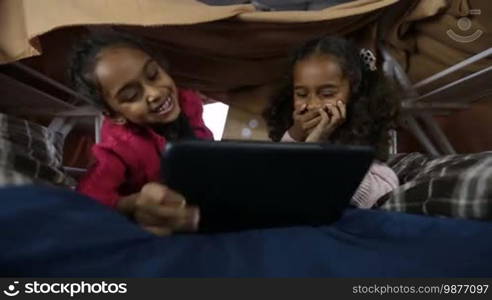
(372, 108)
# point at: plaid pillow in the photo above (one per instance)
(454, 185)
(408, 166)
(30, 153)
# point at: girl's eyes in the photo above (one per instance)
(129, 94)
(327, 93)
(153, 73)
(322, 94)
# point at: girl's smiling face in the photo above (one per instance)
(318, 81)
(135, 87)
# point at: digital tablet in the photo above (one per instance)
(244, 185)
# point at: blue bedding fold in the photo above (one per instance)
(53, 232)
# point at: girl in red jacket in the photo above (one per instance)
(143, 109)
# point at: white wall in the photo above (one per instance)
(215, 116)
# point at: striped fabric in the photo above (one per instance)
(454, 185)
(30, 153)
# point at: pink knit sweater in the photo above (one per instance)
(379, 180)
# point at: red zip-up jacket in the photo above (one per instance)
(129, 156)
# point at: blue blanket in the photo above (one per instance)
(52, 232)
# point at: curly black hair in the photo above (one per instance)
(82, 63)
(372, 109)
(84, 57)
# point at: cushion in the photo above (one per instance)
(30, 153)
(454, 185)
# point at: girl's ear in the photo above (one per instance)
(115, 118)
(119, 120)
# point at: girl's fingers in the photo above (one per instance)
(301, 110)
(152, 193)
(326, 117)
(174, 199)
(160, 214)
(309, 115)
(334, 112)
(158, 230)
(311, 124)
(159, 217)
(187, 224)
(179, 219)
(316, 133)
(192, 221)
(342, 109)
(156, 193)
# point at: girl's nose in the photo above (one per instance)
(314, 103)
(152, 94)
(151, 98)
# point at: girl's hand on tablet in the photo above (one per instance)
(160, 210)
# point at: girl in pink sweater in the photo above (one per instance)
(334, 93)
